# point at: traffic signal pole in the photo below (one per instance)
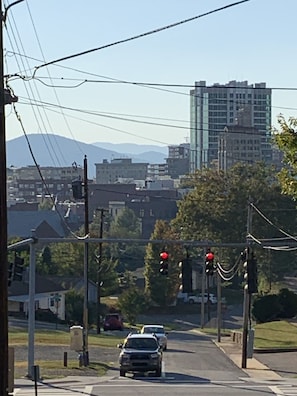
(202, 316)
(31, 308)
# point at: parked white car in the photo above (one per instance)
(198, 299)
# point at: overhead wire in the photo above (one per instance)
(237, 102)
(144, 34)
(106, 115)
(42, 178)
(272, 224)
(229, 274)
(158, 30)
(55, 91)
(39, 119)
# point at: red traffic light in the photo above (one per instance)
(209, 256)
(164, 255)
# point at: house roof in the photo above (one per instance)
(70, 282)
(42, 285)
(46, 223)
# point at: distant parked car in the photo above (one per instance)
(198, 299)
(113, 321)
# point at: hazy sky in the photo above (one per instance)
(101, 96)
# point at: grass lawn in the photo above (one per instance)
(58, 337)
(279, 334)
(55, 368)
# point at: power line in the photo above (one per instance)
(141, 35)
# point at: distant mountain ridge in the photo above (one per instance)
(132, 148)
(56, 150)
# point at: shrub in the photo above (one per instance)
(288, 302)
(266, 308)
(46, 315)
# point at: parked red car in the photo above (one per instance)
(113, 321)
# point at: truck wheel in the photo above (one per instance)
(159, 372)
(122, 373)
(191, 301)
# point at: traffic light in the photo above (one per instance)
(186, 276)
(18, 268)
(77, 189)
(163, 269)
(250, 272)
(209, 263)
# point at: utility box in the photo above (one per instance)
(76, 338)
(250, 343)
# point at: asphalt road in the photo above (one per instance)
(193, 365)
(284, 363)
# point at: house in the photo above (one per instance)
(76, 283)
(47, 297)
(50, 294)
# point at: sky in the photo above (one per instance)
(137, 91)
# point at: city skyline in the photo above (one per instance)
(213, 108)
(123, 93)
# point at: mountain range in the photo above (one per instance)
(55, 150)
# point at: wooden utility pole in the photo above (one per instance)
(86, 266)
(99, 260)
(3, 234)
(5, 98)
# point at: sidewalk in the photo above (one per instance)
(254, 368)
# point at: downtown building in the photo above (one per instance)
(236, 107)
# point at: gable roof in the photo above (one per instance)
(42, 285)
(47, 223)
(70, 282)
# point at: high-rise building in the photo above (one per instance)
(218, 106)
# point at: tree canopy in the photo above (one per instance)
(216, 210)
(286, 140)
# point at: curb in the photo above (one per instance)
(274, 350)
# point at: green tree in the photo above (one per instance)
(131, 303)
(74, 303)
(130, 256)
(216, 210)
(286, 140)
(45, 265)
(160, 289)
(67, 259)
(105, 265)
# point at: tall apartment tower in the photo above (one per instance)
(217, 106)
